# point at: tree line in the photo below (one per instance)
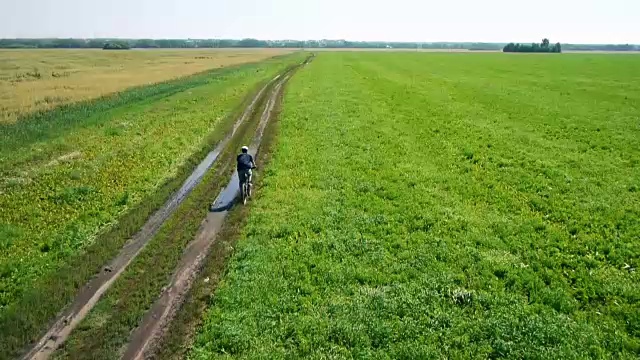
(231, 43)
(543, 47)
(255, 43)
(116, 45)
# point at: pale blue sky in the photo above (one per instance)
(568, 21)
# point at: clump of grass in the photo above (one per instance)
(48, 100)
(124, 199)
(71, 195)
(461, 296)
(56, 74)
(75, 175)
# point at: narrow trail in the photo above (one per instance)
(147, 336)
(89, 295)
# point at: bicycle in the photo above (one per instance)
(245, 186)
(245, 192)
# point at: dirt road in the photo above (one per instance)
(195, 252)
(147, 336)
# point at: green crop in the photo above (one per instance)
(443, 206)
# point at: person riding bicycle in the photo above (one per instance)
(245, 165)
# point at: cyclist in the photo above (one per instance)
(245, 165)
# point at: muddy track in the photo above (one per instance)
(148, 335)
(89, 295)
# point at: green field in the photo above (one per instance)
(78, 181)
(443, 206)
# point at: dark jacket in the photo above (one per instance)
(245, 162)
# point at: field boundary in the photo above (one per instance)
(44, 124)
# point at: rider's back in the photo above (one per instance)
(245, 161)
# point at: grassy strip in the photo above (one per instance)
(23, 322)
(107, 328)
(178, 339)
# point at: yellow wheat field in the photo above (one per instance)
(41, 79)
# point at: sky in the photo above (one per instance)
(566, 21)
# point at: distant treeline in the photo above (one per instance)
(229, 43)
(254, 43)
(116, 45)
(605, 47)
(543, 47)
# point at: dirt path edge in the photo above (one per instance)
(90, 293)
(146, 339)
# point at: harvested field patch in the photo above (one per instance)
(33, 80)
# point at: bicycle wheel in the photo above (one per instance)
(244, 193)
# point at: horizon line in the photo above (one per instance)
(307, 40)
